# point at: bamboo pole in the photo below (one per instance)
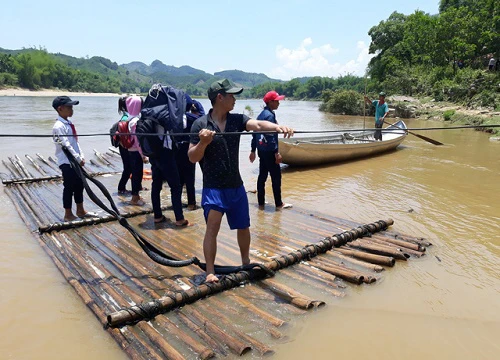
(262, 348)
(35, 165)
(235, 344)
(366, 256)
(201, 332)
(378, 249)
(346, 259)
(166, 303)
(288, 294)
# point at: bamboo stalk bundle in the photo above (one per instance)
(166, 303)
(23, 168)
(378, 249)
(201, 332)
(400, 243)
(350, 260)
(91, 221)
(288, 294)
(365, 256)
(397, 247)
(235, 344)
(262, 348)
(35, 165)
(343, 273)
(203, 351)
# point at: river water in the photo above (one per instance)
(445, 305)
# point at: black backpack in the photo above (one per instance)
(151, 145)
(115, 141)
(167, 106)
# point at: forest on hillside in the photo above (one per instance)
(442, 55)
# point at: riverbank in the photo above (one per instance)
(48, 92)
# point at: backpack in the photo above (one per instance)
(125, 141)
(167, 106)
(151, 145)
(115, 141)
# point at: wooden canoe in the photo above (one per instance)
(307, 151)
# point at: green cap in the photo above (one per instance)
(222, 87)
(382, 94)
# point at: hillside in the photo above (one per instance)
(37, 69)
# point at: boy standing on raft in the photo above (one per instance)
(64, 134)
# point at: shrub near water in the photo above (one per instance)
(347, 102)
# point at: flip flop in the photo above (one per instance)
(138, 203)
(160, 220)
(89, 215)
(185, 222)
(284, 206)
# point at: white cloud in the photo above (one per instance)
(307, 60)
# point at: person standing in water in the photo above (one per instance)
(269, 156)
(223, 190)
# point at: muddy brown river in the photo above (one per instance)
(445, 305)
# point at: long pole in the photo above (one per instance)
(364, 107)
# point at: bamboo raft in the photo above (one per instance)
(157, 312)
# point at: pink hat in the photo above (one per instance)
(273, 95)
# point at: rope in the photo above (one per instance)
(153, 252)
(265, 132)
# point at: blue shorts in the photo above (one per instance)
(233, 202)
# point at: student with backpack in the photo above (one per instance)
(137, 159)
(124, 154)
(187, 169)
(163, 112)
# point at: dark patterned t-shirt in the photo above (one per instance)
(220, 163)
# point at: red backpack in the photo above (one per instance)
(125, 140)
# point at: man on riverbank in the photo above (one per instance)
(381, 111)
(223, 190)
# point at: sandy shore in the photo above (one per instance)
(45, 92)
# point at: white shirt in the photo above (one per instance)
(60, 131)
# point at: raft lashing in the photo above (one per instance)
(157, 312)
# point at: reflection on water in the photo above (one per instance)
(444, 305)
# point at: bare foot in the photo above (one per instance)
(70, 218)
(211, 278)
(261, 207)
(192, 207)
(284, 206)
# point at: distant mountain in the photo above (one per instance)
(168, 74)
(243, 78)
(101, 73)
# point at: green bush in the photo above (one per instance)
(8, 79)
(448, 114)
(347, 102)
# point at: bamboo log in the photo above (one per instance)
(400, 243)
(350, 260)
(270, 319)
(367, 278)
(345, 274)
(200, 331)
(202, 351)
(91, 221)
(397, 247)
(365, 256)
(288, 294)
(323, 277)
(47, 162)
(166, 303)
(21, 165)
(235, 344)
(35, 165)
(378, 249)
(262, 348)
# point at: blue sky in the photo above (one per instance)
(282, 39)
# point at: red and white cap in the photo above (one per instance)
(273, 95)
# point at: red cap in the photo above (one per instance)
(273, 95)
